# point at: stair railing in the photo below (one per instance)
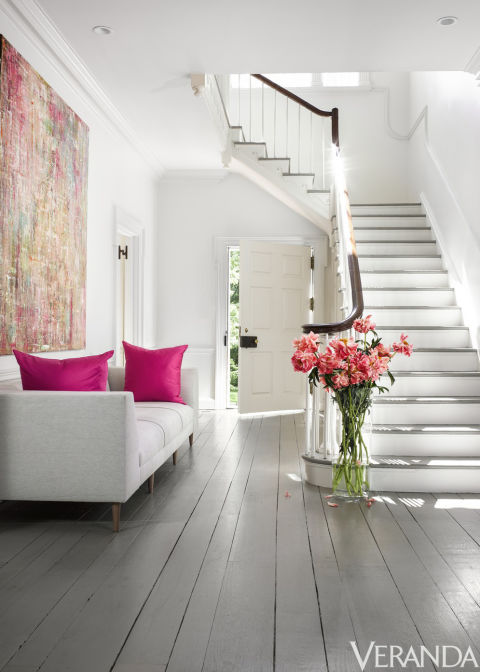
(263, 111)
(289, 126)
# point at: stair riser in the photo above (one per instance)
(430, 386)
(430, 338)
(409, 298)
(424, 413)
(277, 166)
(397, 248)
(425, 480)
(386, 209)
(392, 234)
(251, 151)
(441, 445)
(393, 222)
(401, 279)
(434, 361)
(391, 263)
(302, 181)
(442, 317)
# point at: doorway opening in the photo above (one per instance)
(233, 326)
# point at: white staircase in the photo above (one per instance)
(426, 431)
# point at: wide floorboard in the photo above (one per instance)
(234, 564)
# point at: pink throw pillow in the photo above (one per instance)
(76, 374)
(154, 375)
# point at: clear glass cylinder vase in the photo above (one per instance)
(351, 461)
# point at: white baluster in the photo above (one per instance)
(250, 106)
(299, 109)
(263, 112)
(239, 115)
(323, 153)
(286, 131)
(275, 124)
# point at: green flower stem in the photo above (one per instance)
(350, 469)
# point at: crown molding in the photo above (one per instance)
(44, 36)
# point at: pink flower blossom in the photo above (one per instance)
(307, 342)
(300, 363)
(363, 326)
(343, 347)
(341, 380)
(403, 347)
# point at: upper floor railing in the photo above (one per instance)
(289, 126)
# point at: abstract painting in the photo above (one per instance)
(43, 213)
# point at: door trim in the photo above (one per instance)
(129, 226)
(320, 247)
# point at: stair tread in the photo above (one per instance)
(399, 256)
(412, 308)
(374, 205)
(432, 428)
(411, 461)
(433, 270)
(419, 462)
(427, 400)
(394, 242)
(298, 174)
(413, 327)
(452, 349)
(409, 289)
(394, 228)
(447, 374)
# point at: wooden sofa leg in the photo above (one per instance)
(174, 457)
(190, 439)
(151, 480)
(116, 517)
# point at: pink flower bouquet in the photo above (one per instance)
(350, 369)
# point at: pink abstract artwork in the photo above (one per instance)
(43, 213)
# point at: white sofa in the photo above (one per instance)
(89, 446)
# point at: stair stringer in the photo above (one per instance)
(290, 195)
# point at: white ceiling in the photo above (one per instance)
(143, 65)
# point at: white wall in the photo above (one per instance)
(194, 212)
(118, 176)
(375, 160)
(444, 167)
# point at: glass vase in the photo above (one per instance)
(350, 464)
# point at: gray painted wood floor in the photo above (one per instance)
(220, 571)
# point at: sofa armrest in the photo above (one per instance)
(72, 446)
(189, 391)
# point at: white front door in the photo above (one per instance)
(275, 290)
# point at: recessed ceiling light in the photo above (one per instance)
(102, 30)
(447, 20)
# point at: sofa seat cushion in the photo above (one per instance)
(159, 423)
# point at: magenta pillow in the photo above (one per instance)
(154, 375)
(76, 374)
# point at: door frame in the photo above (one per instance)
(320, 248)
(127, 225)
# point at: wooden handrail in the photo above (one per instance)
(308, 106)
(353, 268)
(355, 283)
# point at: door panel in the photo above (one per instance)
(274, 303)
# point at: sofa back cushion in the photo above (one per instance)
(75, 374)
(154, 375)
